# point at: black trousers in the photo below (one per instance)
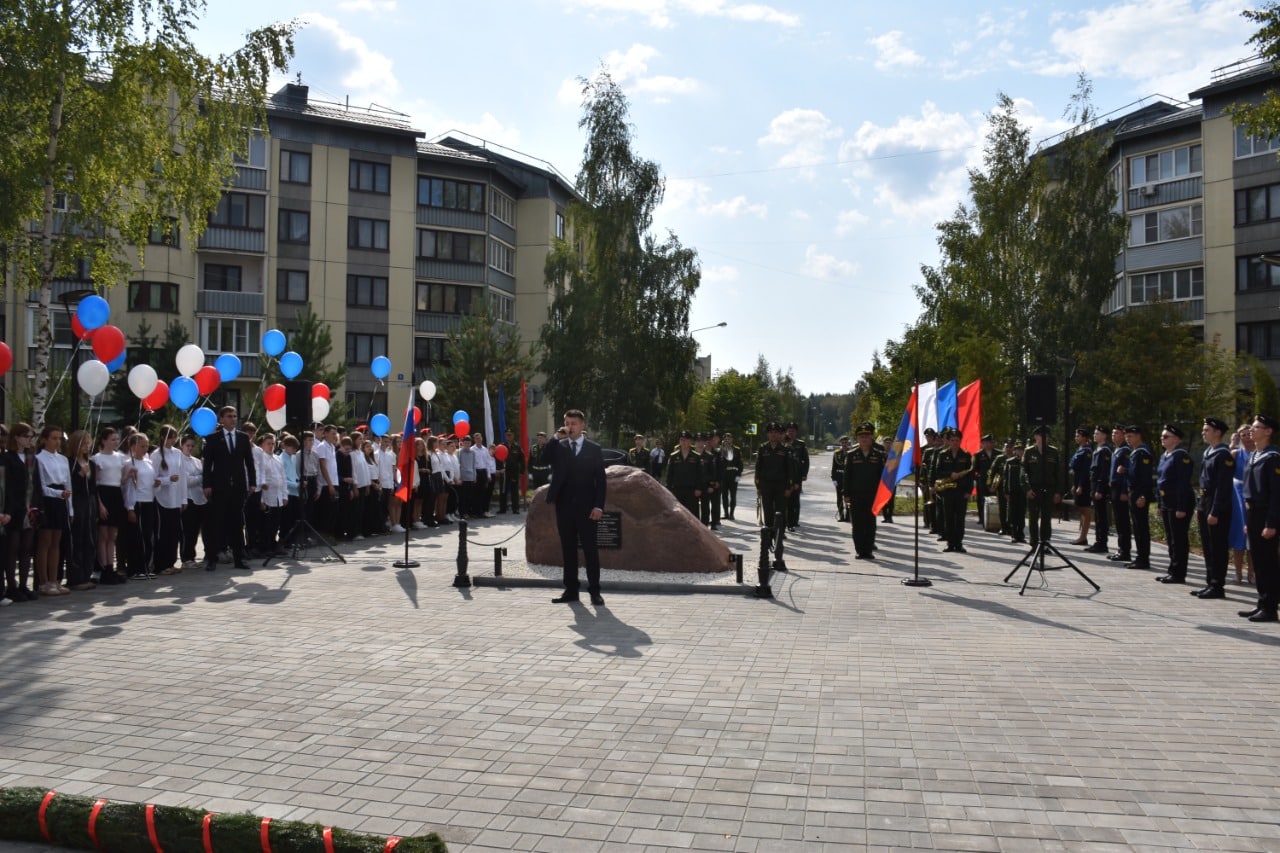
(168, 536)
(1264, 555)
(687, 500)
(1177, 532)
(1217, 553)
(224, 525)
(577, 529)
(192, 527)
(773, 500)
(1141, 531)
(729, 497)
(1040, 516)
(1015, 522)
(864, 526)
(1124, 523)
(793, 507)
(141, 538)
(1101, 521)
(954, 504)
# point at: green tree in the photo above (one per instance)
(1266, 398)
(483, 351)
(732, 401)
(313, 340)
(109, 107)
(1262, 118)
(616, 342)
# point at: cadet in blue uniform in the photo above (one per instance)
(1100, 490)
(1120, 495)
(1262, 514)
(1081, 496)
(1141, 492)
(1215, 512)
(1173, 485)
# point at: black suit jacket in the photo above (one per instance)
(228, 472)
(577, 482)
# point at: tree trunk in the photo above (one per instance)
(44, 329)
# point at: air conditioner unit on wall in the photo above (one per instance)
(1149, 190)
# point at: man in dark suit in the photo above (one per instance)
(577, 490)
(229, 477)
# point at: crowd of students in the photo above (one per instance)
(82, 510)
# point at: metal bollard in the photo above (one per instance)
(498, 554)
(762, 572)
(737, 567)
(779, 534)
(461, 579)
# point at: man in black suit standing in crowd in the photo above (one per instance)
(229, 477)
(577, 490)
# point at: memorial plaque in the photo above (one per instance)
(609, 531)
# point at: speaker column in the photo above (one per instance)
(1042, 399)
(297, 403)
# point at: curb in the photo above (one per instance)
(68, 820)
(619, 586)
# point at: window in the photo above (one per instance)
(164, 233)
(240, 210)
(222, 277)
(1257, 204)
(503, 208)
(451, 246)
(59, 326)
(368, 233)
(370, 177)
(1253, 273)
(295, 167)
(363, 349)
(153, 296)
(1259, 339)
(1165, 165)
(292, 285)
(368, 291)
(446, 298)
(1174, 223)
(295, 226)
(454, 195)
(230, 334)
(502, 306)
(502, 257)
(256, 156)
(368, 401)
(559, 224)
(1167, 286)
(430, 352)
(1248, 146)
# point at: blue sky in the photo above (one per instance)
(809, 147)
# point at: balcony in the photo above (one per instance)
(231, 302)
(61, 286)
(449, 270)
(1151, 195)
(247, 178)
(250, 367)
(439, 324)
(450, 218)
(234, 239)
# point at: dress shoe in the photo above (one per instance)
(210, 566)
(564, 599)
(1197, 592)
(1096, 549)
(597, 599)
(1264, 616)
(1249, 613)
(1138, 564)
(1119, 558)
(242, 566)
(959, 549)
(1170, 579)
(1212, 592)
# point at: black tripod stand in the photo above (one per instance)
(1036, 559)
(303, 536)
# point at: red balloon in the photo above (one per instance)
(462, 429)
(273, 397)
(80, 331)
(500, 453)
(108, 342)
(207, 379)
(157, 398)
(6, 358)
(417, 416)
(320, 390)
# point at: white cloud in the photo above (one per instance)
(804, 132)
(660, 13)
(628, 69)
(722, 274)
(1150, 43)
(631, 64)
(892, 54)
(696, 196)
(735, 207)
(848, 222)
(801, 215)
(370, 73)
(826, 267)
(367, 5)
(931, 130)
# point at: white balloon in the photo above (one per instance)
(319, 409)
(427, 389)
(189, 360)
(93, 377)
(276, 419)
(143, 380)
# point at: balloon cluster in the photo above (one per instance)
(90, 324)
(461, 424)
(273, 398)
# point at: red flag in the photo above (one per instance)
(969, 415)
(408, 461)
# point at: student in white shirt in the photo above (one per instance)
(171, 500)
(139, 477)
(54, 474)
(193, 515)
(111, 513)
(271, 484)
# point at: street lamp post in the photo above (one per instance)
(719, 325)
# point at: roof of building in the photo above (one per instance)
(435, 149)
(294, 100)
(1240, 74)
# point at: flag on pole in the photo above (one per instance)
(969, 408)
(901, 460)
(926, 414)
(947, 406)
(524, 436)
(488, 417)
(407, 463)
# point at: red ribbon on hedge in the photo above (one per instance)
(93, 822)
(151, 828)
(204, 832)
(44, 806)
(265, 833)
(328, 840)
(392, 841)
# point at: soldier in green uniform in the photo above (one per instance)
(732, 457)
(995, 478)
(924, 478)
(638, 456)
(837, 476)
(1013, 485)
(800, 465)
(955, 466)
(775, 475)
(863, 469)
(982, 462)
(685, 476)
(1043, 472)
(715, 479)
(539, 468)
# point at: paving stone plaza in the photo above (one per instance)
(849, 713)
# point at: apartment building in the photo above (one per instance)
(390, 239)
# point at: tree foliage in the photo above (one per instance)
(616, 343)
(731, 401)
(109, 106)
(1263, 117)
(483, 350)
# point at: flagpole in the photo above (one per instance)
(408, 438)
(917, 580)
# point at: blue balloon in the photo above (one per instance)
(381, 367)
(183, 392)
(273, 342)
(290, 364)
(380, 424)
(228, 367)
(204, 421)
(116, 363)
(93, 312)
(461, 416)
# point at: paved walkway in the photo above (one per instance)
(852, 712)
